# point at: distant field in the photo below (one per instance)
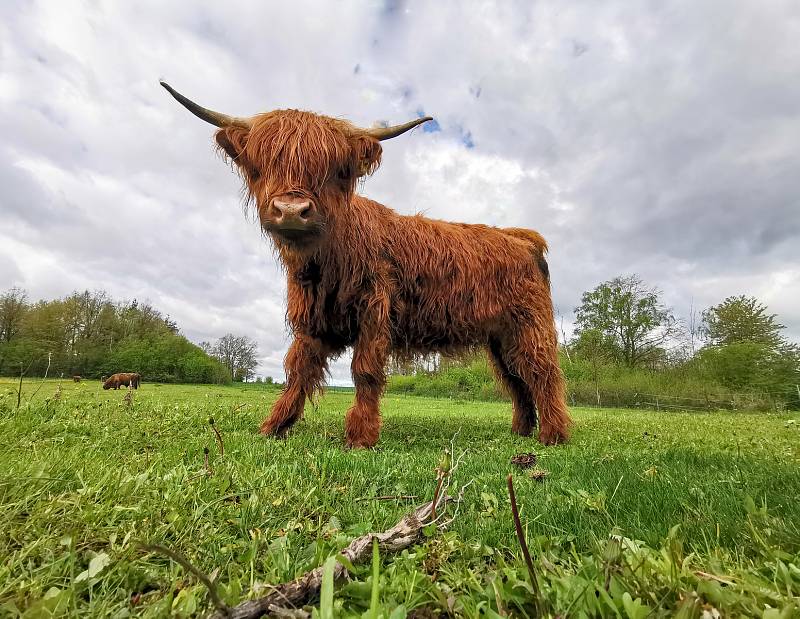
(86, 478)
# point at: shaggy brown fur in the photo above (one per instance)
(123, 379)
(365, 277)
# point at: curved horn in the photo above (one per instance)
(387, 133)
(210, 116)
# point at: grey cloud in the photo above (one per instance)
(658, 139)
(9, 270)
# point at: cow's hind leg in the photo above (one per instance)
(524, 407)
(533, 357)
(306, 363)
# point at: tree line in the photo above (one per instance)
(628, 347)
(90, 335)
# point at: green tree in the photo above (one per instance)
(634, 323)
(87, 333)
(740, 320)
(238, 354)
(746, 349)
(13, 304)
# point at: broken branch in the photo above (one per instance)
(524, 545)
(388, 497)
(219, 436)
(400, 536)
(296, 592)
(222, 608)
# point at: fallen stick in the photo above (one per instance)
(298, 591)
(708, 576)
(184, 562)
(388, 497)
(19, 391)
(524, 545)
(402, 535)
(219, 437)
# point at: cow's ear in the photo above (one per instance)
(368, 154)
(232, 140)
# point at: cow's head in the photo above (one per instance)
(300, 168)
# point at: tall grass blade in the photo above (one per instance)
(376, 566)
(326, 591)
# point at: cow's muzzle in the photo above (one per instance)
(291, 214)
(293, 219)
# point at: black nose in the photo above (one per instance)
(288, 212)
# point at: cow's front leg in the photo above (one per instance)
(363, 423)
(305, 364)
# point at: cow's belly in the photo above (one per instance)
(420, 327)
(337, 332)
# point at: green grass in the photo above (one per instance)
(632, 509)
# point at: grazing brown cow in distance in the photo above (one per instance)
(76, 379)
(360, 275)
(123, 379)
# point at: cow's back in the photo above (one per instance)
(454, 281)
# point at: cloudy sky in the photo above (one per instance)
(658, 138)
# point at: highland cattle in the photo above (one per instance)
(122, 379)
(362, 276)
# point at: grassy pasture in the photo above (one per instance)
(642, 514)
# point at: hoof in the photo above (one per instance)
(360, 444)
(524, 431)
(552, 437)
(270, 432)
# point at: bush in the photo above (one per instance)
(169, 358)
(89, 335)
(473, 381)
(671, 388)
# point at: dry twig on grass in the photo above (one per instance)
(307, 586)
(19, 391)
(207, 470)
(23, 371)
(524, 545)
(222, 608)
(206, 464)
(388, 497)
(218, 435)
(400, 536)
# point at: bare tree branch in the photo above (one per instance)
(223, 609)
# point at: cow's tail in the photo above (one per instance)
(539, 244)
(528, 235)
